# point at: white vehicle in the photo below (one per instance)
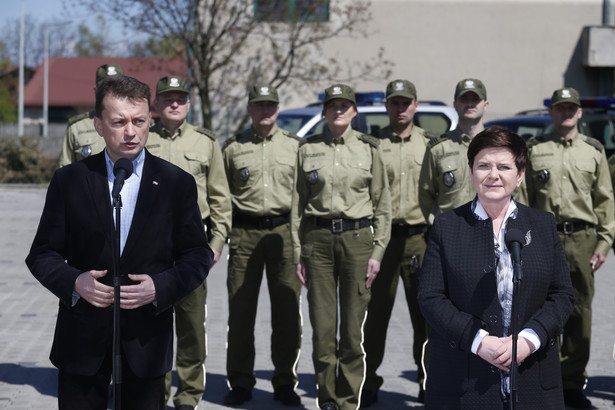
(436, 117)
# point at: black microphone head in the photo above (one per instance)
(125, 165)
(514, 235)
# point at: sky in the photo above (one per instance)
(40, 9)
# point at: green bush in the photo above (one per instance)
(21, 161)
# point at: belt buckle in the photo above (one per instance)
(337, 225)
(568, 228)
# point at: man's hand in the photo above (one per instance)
(134, 296)
(373, 267)
(596, 261)
(93, 291)
(216, 258)
(301, 274)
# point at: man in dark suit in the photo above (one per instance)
(164, 256)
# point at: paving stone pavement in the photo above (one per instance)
(28, 313)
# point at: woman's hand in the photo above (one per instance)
(496, 351)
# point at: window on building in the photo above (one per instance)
(291, 10)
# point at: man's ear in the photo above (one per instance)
(98, 126)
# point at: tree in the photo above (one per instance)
(93, 43)
(60, 35)
(227, 47)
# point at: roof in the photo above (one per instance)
(72, 80)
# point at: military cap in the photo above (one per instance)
(565, 95)
(171, 83)
(108, 70)
(263, 92)
(471, 84)
(339, 91)
(401, 88)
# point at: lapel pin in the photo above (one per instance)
(155, 183)
(528, 238)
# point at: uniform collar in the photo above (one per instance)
(165, 133)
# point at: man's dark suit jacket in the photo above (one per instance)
(76, 233)
(458, 296)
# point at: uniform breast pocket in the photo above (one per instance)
(313, 173)
(450, 174)
(542, 173)
(245, 172)
(284, 172)
(197, 162)
(586, 171)
(360, 171)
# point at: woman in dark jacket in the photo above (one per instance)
(465, 290)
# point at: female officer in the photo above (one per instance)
(340, 225)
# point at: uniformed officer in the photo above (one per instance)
(568, 175)
(259, 165)
(445, 178)
(341, 224)
(81, 139)
(196, 151)
(403, 147)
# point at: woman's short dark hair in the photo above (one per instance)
(120, 87)
(499, 137)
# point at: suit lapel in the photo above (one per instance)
(146, 201)
(99, 188)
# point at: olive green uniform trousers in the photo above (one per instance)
(403, 258)
(191, 348)
(336, 267)
(251, 250)
(574, 354)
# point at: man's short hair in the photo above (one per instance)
(122, 87)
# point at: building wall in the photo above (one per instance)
(522, 50)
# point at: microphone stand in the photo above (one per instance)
(514, 368)
(117, 358)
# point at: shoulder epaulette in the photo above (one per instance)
(435, 141)
(308, 139)
(207, 132)
(535, 140)
(79, 117)
(229, 142)
(594, 143)
(291, 135)
(431, 135)
(373, 141)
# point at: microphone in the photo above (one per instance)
(122, 171)
(514, 242)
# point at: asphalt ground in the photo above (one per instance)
(28, 313)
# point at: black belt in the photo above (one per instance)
(568, 228)
(338, 225)
(408, 230)
(261, 222)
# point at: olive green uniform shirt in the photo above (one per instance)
(196, 151)
(260, 171)
(571, 179)
(342, 178)
(80, 140)
(445, 181)
(403, 158)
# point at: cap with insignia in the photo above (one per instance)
(172, 83)
(473, 85)
(263, 92)
(565, 95)
(401, 88)
(339, 91)
(108, 70)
